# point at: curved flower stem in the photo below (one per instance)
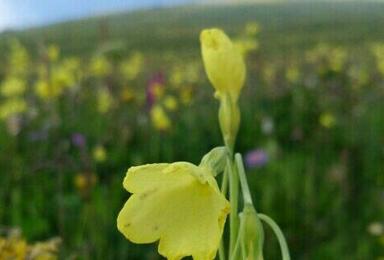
(279, 234)
(243, 180)
(233, 198)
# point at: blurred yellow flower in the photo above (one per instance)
(178, 204)
(84, 181)
(12, 106)
(176, 76)
(158, 90)
(246, 45)
(53, 52)
(99, 66)
(131, 67)
(327, 120)
(252, 28)
(99, 153)
(159, 118)
(15, 247)
(378, 51)
(186, 94)
(12, 86)
(292, 74)
(223, 63)
(104, 100)
(127, 94)
(18, 59)
(170, 103)
(47, 91)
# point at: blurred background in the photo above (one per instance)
(90, 88)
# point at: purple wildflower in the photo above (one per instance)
(155, 81)
(78, 140)
(256, 158)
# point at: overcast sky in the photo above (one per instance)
(25, 13)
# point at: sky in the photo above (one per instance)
(27, 13)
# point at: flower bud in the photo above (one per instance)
(252, 237)
(223, 63)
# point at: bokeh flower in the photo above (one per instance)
(327, 120)
(178, 204)
(99, 153)
(78, 140)
(155, 89)
(159, 118)
(256, 158)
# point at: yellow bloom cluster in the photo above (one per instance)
(57, 76)
(15, 247)
(327, 57)
(13, 87)
(131, 67)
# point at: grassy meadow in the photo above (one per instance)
(82, 101)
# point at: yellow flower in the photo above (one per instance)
(53, 52)
(327, 120)
(104, 100)
(18, 58)
(170, 103)
(186, 94)
(84, 181)
(252, 28)
(159, 118)
(131, 67)
(127, 94)
(12, 107)
(223, 63)
(100, 66)
(13, 87)
(99, 153)
(179, 204)
(47, 91)
(292, 74)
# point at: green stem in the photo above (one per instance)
(243, 180)
(238, 242)
(279, 234)
(233, 198)
(221, 251)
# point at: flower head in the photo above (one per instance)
(178, 204)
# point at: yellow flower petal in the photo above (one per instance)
(178, 204)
